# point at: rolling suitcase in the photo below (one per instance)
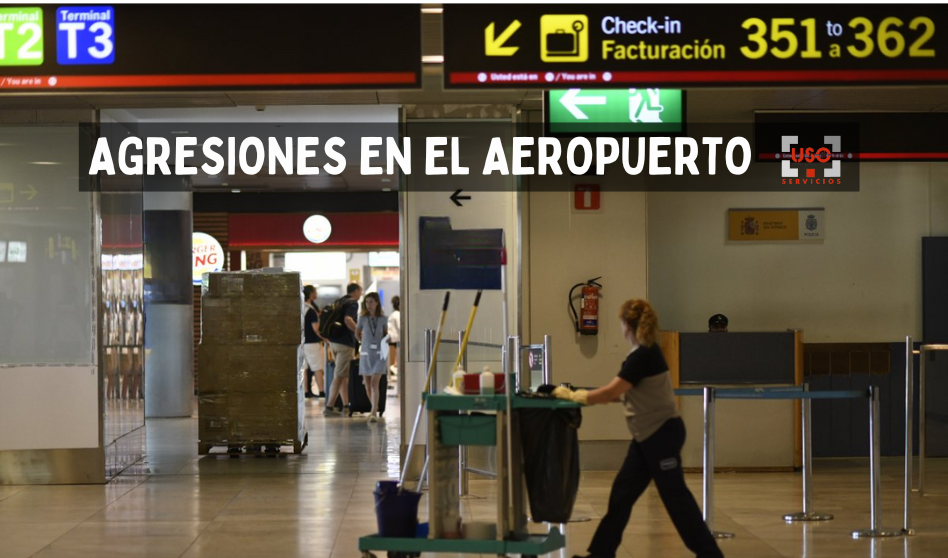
(358, 398)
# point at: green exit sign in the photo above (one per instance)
(620, 112)
(21, 36)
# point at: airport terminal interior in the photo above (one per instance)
(172, 345)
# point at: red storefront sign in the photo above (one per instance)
(254, 231)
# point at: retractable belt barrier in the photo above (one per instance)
(806, 397)
(796, 392)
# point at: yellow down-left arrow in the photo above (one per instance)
(494, 46)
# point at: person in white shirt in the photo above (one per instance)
(394, 330)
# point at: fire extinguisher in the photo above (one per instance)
(587, 321)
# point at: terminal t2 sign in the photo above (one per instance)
(622, 45)
(21, 36)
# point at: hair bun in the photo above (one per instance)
(641, 318)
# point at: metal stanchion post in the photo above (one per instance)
(807, 514)
(547, 359)
(875, 456)
(923, 356)
(708, 480)
(909, 445)
(462, 449)
(513, 353)
(429, 355)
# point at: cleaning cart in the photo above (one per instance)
(472, 420)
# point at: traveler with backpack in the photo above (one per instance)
(338, 326)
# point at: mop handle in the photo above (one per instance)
(431, 368)
(467, 333)
(434, 354)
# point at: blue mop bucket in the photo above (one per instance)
(397, 513)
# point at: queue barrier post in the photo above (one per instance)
(807, 514)
(708, 477)
(909, 432)
(463, 479)
(921, 422)
(875, 474)
(547, 359)
(711, 394)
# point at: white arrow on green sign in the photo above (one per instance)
(615, 111)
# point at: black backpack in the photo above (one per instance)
(333, 317)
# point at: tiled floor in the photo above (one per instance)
(318, 504)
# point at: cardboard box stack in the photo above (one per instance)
(249, 381)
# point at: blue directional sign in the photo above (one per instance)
(85, 35)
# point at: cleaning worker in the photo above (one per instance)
(644, 387)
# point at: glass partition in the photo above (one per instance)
(46, 303)
(122, 320)
(49, 382)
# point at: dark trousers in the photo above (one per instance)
(658, 458)
(309, 381)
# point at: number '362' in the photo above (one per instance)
(888, 38)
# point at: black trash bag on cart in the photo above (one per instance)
(550, 442)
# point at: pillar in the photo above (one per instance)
(169, 328)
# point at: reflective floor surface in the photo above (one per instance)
(317, 505)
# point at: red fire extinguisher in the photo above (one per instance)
(587, 321)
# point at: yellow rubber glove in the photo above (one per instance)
(580, 396)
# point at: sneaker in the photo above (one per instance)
(309, 395)
(372, 418)
(322, 395)
(330, 412)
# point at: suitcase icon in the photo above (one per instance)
(561, 43)
(564, 38)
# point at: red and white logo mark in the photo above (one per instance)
(799, 154)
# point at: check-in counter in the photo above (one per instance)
(761, 435)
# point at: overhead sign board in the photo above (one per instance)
(614, 111)
(224, 47)
(882, 136)
(634, 45)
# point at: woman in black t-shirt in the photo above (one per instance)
(644, 387)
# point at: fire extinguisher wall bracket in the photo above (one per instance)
(586, 321)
